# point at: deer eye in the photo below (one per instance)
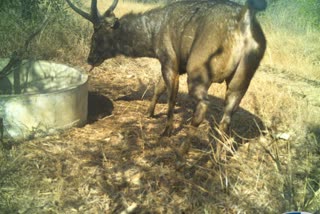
(116, 24)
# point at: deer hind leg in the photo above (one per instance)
(159, 89)
(198, 84)
(232, 101)
(237, 86)
(234, 94)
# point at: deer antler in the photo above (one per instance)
(112, 7)
(94, 16)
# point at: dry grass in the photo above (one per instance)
(299, 54)
(125, 7)
(118, 164)
(293, 41)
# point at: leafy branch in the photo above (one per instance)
(16, 57)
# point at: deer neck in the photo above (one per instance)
(134, 36)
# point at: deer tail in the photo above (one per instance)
(257, 5)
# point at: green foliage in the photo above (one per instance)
(310, 9)
(20, 18)
(31, 9)
(299, 16)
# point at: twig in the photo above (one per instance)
(35, 33)
(16, 56)
(1, 129)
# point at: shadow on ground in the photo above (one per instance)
(244, 124)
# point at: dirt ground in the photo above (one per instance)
(118, 164)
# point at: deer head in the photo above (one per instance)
(103, 25)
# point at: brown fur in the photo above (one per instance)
(211, 41)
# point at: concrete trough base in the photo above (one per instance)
(39, 98)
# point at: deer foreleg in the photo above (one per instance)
(159, 89)
(171, 78)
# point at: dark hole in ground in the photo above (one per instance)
(99, 106)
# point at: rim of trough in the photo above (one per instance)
(84, 80)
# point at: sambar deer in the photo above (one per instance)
(210, 40)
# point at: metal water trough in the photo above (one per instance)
(39, 98)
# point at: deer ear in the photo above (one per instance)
(111, 20)
(116, 24)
